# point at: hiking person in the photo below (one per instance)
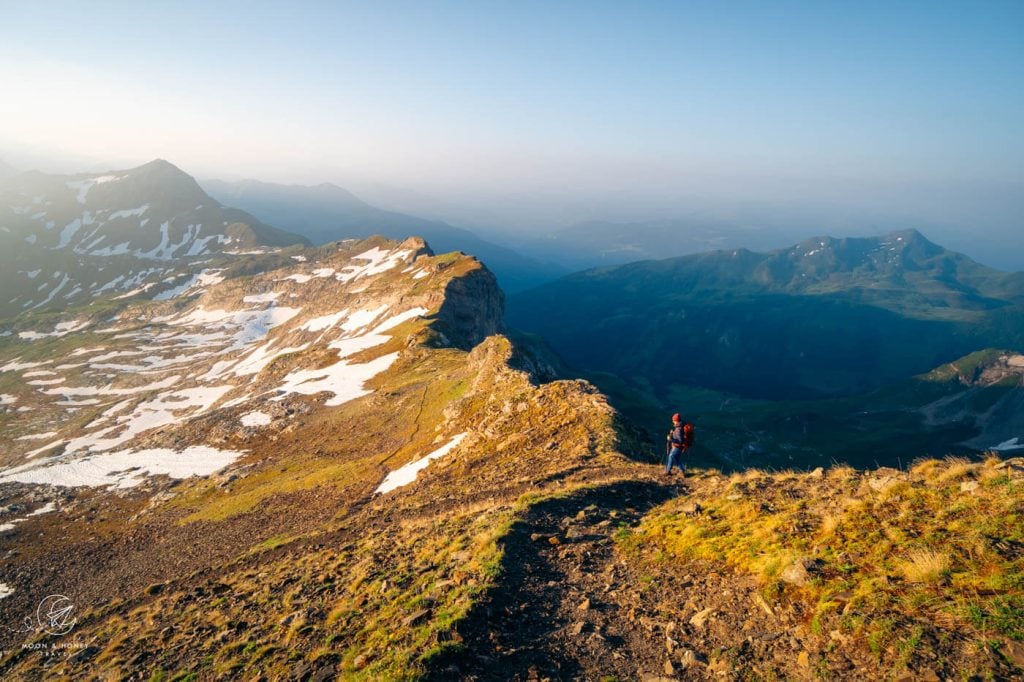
(678, 440)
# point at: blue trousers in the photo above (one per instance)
(675, 458)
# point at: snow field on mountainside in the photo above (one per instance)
(122, 469)
(179, 366)
(408, 473)
(255, 418)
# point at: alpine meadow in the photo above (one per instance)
(511, 341)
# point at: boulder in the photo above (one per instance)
(796, 573)
(700, 618)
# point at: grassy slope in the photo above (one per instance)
(901, 567)
(375, 591)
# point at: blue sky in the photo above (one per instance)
(776, 99)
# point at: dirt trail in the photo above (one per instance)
(568, 607)
(558, 612)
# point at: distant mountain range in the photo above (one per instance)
(601, 243)
(65, 239)
(326, 213)
(825, 317)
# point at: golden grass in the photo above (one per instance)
(956, 468)
(921, 553)
(925, 565)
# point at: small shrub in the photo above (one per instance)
(925, 566)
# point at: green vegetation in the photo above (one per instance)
(931, 415)
(859, 315)
(888, 558)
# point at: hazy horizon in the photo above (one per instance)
(531, 117)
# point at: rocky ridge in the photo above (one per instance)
(525, 534)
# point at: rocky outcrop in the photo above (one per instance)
(473, 308)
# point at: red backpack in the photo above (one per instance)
(687, 434)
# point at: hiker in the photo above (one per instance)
(678, 440)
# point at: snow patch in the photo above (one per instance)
(118, 250)
(268, 297)
(319, 324)
(61, 329)
(15, 366)
(128, 212)
(253, 363)
(203, 279)
(52, 293)
(407, 474)
(1006, 445)
(45, 382)
(124, 468)
(45, 509)
(37, 436)
(68, 232)
(249, 325)
(398, 319)
(108, 390)
(255, 419)
(362, 318)
(82, 188)
(162, 410)
(346, 381)
(379, 261)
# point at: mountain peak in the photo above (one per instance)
(150, 220)
(909, 236)
(161, 163)
(161, 178)
(162, 170)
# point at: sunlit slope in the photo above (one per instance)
(361, 364)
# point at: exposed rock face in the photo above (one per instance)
(984, 389)
(473, 308)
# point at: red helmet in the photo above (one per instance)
(676, 417)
